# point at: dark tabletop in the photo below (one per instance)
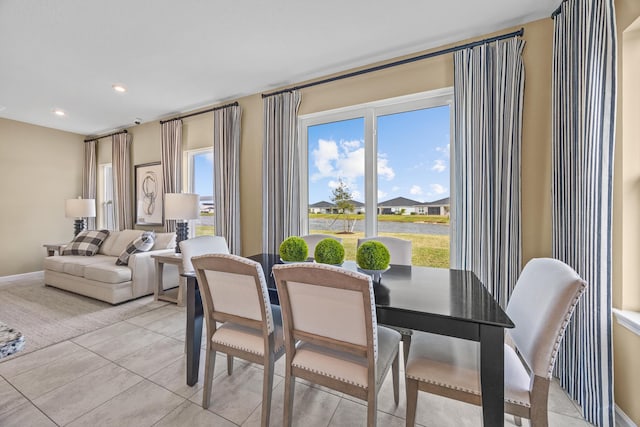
(442, 292)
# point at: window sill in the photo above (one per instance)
(628, 319)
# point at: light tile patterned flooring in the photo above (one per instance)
(132, 373)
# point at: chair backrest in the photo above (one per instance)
(327, 305)
(541, 306)
(313, 239)
(233, 289)
(199, 246)
(399, 249)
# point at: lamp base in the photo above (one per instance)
(78, 226)
(182, 233)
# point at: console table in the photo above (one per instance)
(52, 248)
(175, 295)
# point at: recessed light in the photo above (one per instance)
(59, 112)
(119, 88)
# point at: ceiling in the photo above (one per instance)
(174, 57)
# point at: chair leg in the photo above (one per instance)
(210, 365)
(289, 389)
(406, 344)
(412, 401)
(517, 420)
(395, 374)
(267, 388)
(372, 409)
(229, 364)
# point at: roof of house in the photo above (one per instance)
(322, 204)
(398, 202)
(440, 202)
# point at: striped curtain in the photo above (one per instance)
(121, 164)
(280, 170)
(171, 156)
(488, 92)
(583, 127)
(226, 170)
(89, 183)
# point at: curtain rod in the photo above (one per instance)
(558, 10)
(233, 104)
(520, 32)
(105, 136)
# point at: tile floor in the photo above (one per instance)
(132, 373)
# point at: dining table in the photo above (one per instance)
(436, 300)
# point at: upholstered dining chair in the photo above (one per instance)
(331, 334)
(313, 239)
(199, 246)
(234, 294)
(400, 251)
(541, 306)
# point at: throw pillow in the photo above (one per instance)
(86, 243)
(140, 244)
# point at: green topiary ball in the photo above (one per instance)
(373, 255)
(294, 249)
(329, 251)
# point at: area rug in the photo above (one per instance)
(47, 315)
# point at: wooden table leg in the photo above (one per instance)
(194, 330)
(159, 290)
(492, 374)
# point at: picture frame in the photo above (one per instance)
(149, 194)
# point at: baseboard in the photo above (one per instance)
(622, 420)
(31, 275)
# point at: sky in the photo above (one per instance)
(413, 156)
(203, 172)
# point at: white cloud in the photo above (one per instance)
(437, 189)
(395, 189)
(356, 195)
(323, 158)
(381, 194)
(350, 145)
(446, 150)
(415, 190)
(350, 164)
(384, 170)
(439, 166)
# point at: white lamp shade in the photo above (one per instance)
(80, 208)
(181, 206)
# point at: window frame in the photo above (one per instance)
(188, 160)
(370, 111)
(102, 183)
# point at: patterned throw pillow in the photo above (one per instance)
(141, 244)
(86, 243)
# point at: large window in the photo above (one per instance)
(381, 169)
(200, 172)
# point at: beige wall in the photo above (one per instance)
(39, 169)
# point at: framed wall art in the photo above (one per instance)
(149, 192)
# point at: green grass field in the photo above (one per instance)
(428, 250)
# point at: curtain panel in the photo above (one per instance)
(226, 170)
(280, 170)
(171, 156)
(89, 177)
(488, 92)
(121, 166)
(583, 139)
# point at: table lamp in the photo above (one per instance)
(80, 209)
(181, 207)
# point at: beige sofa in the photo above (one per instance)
(99, 277)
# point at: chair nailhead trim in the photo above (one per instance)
(326, 374)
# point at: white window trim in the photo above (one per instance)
(188, 161)
(369, 111)
(629, 319)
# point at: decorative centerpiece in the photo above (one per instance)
(293, 249)
(373, 258)
(329, 251)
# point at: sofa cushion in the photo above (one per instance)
(141, 244)
(164, 241)
(74, 264)
(107, 273)
(86, 243)
(118, 241)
